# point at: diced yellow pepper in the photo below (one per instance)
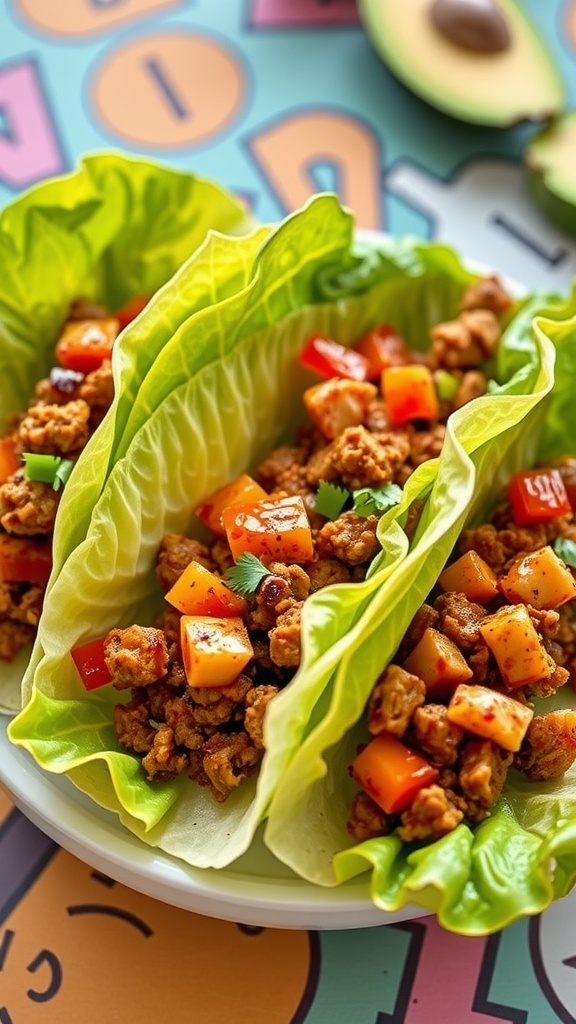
(439, 664)
(490, 714)
(539, 578)
(214, 651)
(472, 576)
(511, 636)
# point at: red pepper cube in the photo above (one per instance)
(271, 530)
(23, 560)
(85, 344)
(329, 358)
(538, 495)
(410, 394)
(382, 347)
(91, 664)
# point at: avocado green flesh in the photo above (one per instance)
(551, 167)
(498, 89)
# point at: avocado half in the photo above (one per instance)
(550, 160)
(499, 89)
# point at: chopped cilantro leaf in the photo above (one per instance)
(47, 469)
(373, 501)
(330, 499)
(246, 575)
(566, 550)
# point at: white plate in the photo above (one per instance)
(256, 890)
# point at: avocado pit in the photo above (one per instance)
(477, 25)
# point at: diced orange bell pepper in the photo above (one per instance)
(85, 344)
(24, 561)
(490, 714)
(214, 651)
(243, 488)
(271, 530)
(9, 460)
(200, 592)
(391, 773)
(511, 636)
(472, 576)
(439, 663)
(410, 394)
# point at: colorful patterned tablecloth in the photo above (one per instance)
(276, 99)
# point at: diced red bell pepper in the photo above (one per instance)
(329, 358)
(537, 495)
(382, 347)
(23, 560)
(130, 310)
(9, 460)
(85, 344)
(91, 664)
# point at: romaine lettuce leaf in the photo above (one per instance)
(223, 390)
(524, 855)
(115, 228)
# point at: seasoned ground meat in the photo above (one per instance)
(394, 700)
(176, 552)
(257, 700)
(434, 734)
(14, 636)
(367, 820)
(164, 760)
(486, 293)
(482, 771)
(549, 747)
(362, 459)
(432, 814)
(285, 636)
(459, 619)
(465, 342)
(136, 656)
(28, 507)
(227, 760)
(350, 538)
(55, 429)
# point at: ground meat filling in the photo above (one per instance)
(216, 734)
(66, 409)
(471, 768)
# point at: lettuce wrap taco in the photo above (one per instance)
(75, 254)
(224, 388)
(491, 835)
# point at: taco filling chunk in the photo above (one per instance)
(465, 699)
(199, 680)
(37, 455)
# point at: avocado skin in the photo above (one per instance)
(557, 203)
(380, 18)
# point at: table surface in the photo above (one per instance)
(303, 104)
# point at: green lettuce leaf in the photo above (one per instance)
(524, 855)
(115, 228)
(223, 389)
